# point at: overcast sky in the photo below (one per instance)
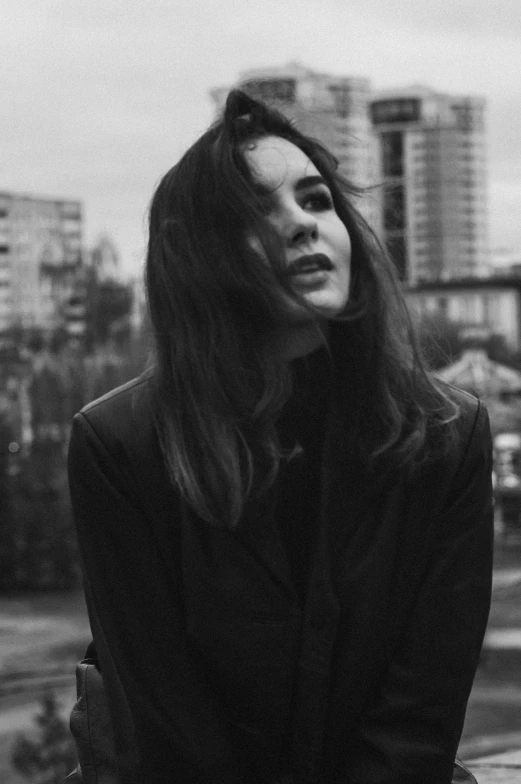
(100, 97)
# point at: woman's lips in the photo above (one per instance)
(310, 280)
(311, 271)
(310, 265)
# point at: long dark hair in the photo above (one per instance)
(216, 315)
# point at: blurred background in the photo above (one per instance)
(419, 103)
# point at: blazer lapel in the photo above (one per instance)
(258, 532)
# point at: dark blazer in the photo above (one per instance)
(204, 644)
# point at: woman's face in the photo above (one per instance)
(316, 242)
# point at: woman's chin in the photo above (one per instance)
(324, 303)
(326, 306)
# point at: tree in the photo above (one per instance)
(49, 755)
(40, 531)
(7, 532)
(107, 307)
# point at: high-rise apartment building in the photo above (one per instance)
(333, 109)
(40, 250)
(433, 161)
(424, 150)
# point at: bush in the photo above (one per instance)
(50, 755)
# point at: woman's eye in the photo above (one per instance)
(318, 201)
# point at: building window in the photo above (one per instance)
(394, 208)
(272, 89)
(396, 110)
(443, 305)
(396, 249)
(70, 208)
(392, 154)
(342, 96)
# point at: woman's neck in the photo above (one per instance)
(303, 338)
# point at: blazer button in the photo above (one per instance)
(318, 621)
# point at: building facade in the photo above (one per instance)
(100, 268)
(481, 307)
(333, 109)
(433, 164)
(40, 251)
(505, 262)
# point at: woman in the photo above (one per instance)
(285, 525)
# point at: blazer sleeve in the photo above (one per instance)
(133, 594)
(411, 729)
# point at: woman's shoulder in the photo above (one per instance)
(472, 411)
(124, 414)
(471, 427)
(114, 448)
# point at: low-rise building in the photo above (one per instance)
(475, 372)
(483, 306)
(505, 262)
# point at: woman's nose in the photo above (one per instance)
(301, 227)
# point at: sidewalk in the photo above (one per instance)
(493, 722)
(503, 638)
(504, 577)
(501, 641)
(498, 768)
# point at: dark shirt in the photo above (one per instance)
(301, 427)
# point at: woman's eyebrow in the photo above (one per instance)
(305, 182)
(308, 182)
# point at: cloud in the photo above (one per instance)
(462, 18)
(100, 99)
